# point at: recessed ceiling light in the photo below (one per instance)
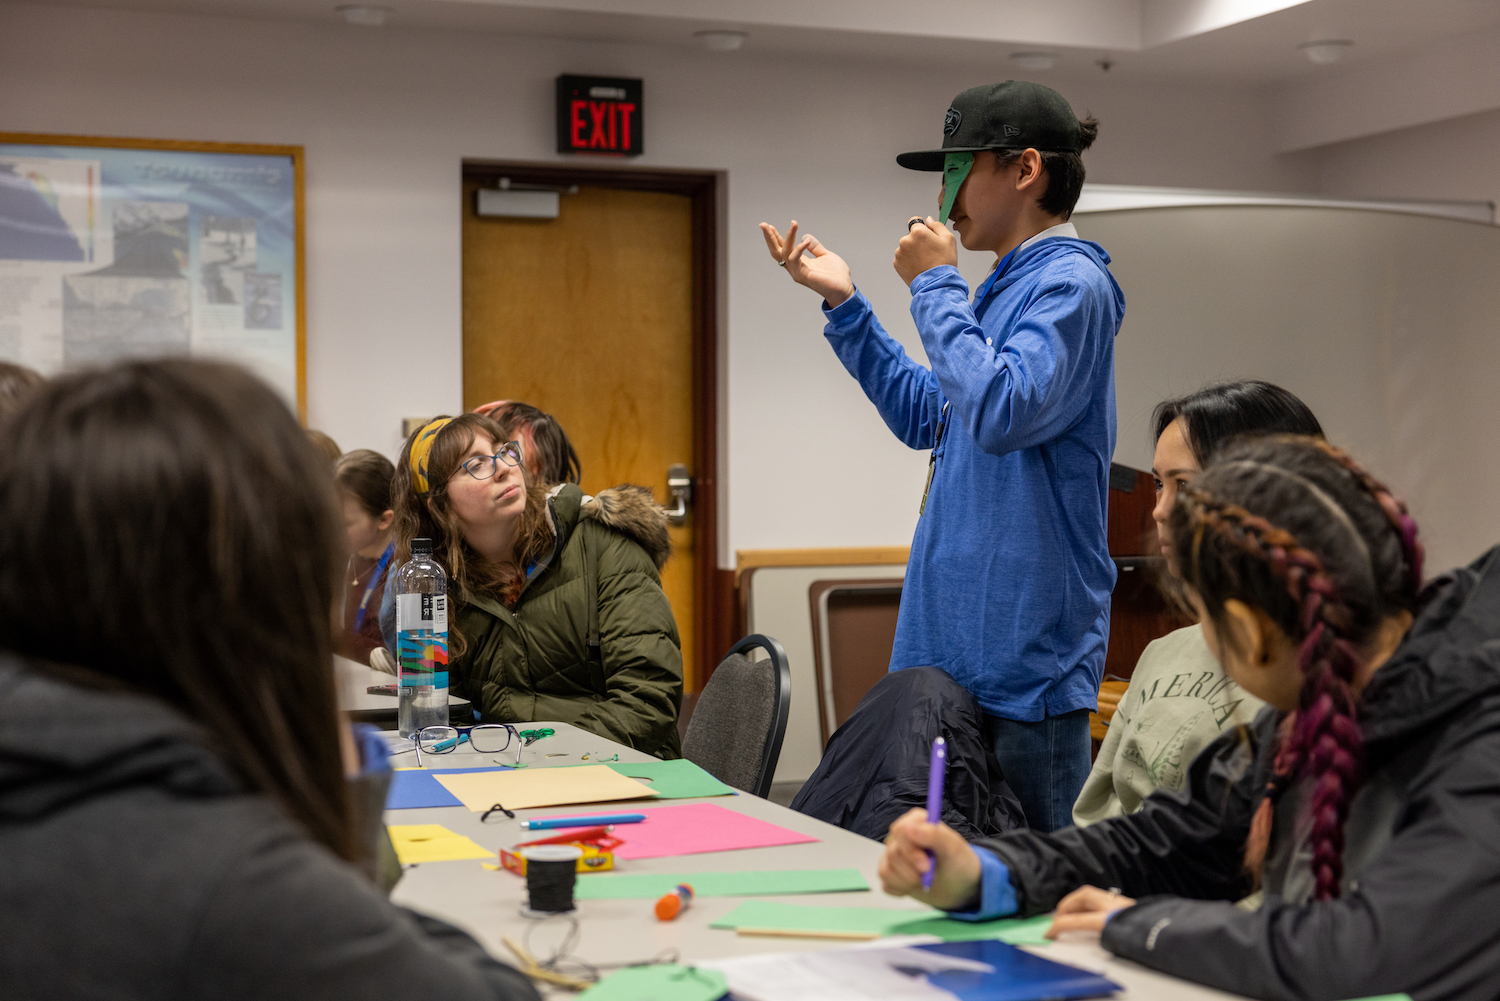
(721, 41)
(364, 15)
(1034, 60)
(1325, 51)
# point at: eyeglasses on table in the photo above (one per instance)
(486, 738)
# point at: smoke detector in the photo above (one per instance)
(721, 41)
(1034, 60)
(1325, 51)
(364, 15)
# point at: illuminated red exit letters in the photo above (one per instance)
(600, 115)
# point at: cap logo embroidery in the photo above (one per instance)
(951, 121)
(1011, 130)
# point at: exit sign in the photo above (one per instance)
(598, 114)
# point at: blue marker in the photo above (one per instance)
(588, 820)
(935, 774)
(442, 746)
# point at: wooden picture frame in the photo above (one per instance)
(224, 183)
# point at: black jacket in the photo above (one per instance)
(875, 766)
(134, 864)
(1420, 904)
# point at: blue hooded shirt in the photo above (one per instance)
(1008, 584)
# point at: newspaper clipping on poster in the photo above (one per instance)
(126, 253)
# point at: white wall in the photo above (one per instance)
(388, 115)
(1387, 325)
(1456, 159)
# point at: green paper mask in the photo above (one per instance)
(956, 167)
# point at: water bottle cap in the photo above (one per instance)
(421, 546)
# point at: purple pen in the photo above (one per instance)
(935, 774)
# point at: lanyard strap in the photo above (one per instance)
(932, 460)
(375, 576)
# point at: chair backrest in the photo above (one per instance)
(740, 718)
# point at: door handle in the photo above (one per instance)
(680, 486)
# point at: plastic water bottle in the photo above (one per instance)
(422, 640)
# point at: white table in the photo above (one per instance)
(354, 678)
(487, 904)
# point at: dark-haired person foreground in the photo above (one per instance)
(1363, 805)
(175, 816)
(1179, 699)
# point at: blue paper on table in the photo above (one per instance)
(415, 790)
(1018, 976)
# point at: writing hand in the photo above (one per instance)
(824, 272)
(956, 881)
(927, 245)
(1086, 909)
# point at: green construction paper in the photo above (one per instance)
(1386, 997)
(662, 982)
(882, 921)
(677, 779)
(956, 167)
(649, 886)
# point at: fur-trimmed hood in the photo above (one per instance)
(632, 511)
(627, 509)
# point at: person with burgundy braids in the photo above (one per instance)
(1345, 844)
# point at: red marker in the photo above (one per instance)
(674, 903)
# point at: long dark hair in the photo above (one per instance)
(429, 516)
(168, 527)
(1294, 527)
(1217, 413)
(556, 459)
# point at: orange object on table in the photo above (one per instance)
(674, 903)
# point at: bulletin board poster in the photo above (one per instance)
(122, 248)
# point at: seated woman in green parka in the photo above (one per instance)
(558, 611)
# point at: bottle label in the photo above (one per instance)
(422, 639)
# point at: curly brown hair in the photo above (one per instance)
(429, 516)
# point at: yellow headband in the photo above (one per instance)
(420, 447)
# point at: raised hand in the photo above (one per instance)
(810, 263)
(956, 881)
(927, 244)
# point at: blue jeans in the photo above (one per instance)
(1045, 762)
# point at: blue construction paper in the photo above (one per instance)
(415, 790)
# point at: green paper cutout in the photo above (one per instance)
(649, 886)
(882, 921)
(1387, 997)
(662, 982)
(956, 167)
(676, 779)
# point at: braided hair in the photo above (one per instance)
(1294, 527)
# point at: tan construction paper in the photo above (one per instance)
(525, 789)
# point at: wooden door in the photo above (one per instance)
(590, 317)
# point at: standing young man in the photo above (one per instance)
(1008, 584)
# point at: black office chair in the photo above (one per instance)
(740, 718)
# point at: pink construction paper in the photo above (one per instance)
(695, 828)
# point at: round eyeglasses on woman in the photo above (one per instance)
(486, 738)
(482, 467)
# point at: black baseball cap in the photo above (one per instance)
(1015, 114)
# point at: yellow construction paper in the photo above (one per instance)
(524, 790)
(433, 843)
